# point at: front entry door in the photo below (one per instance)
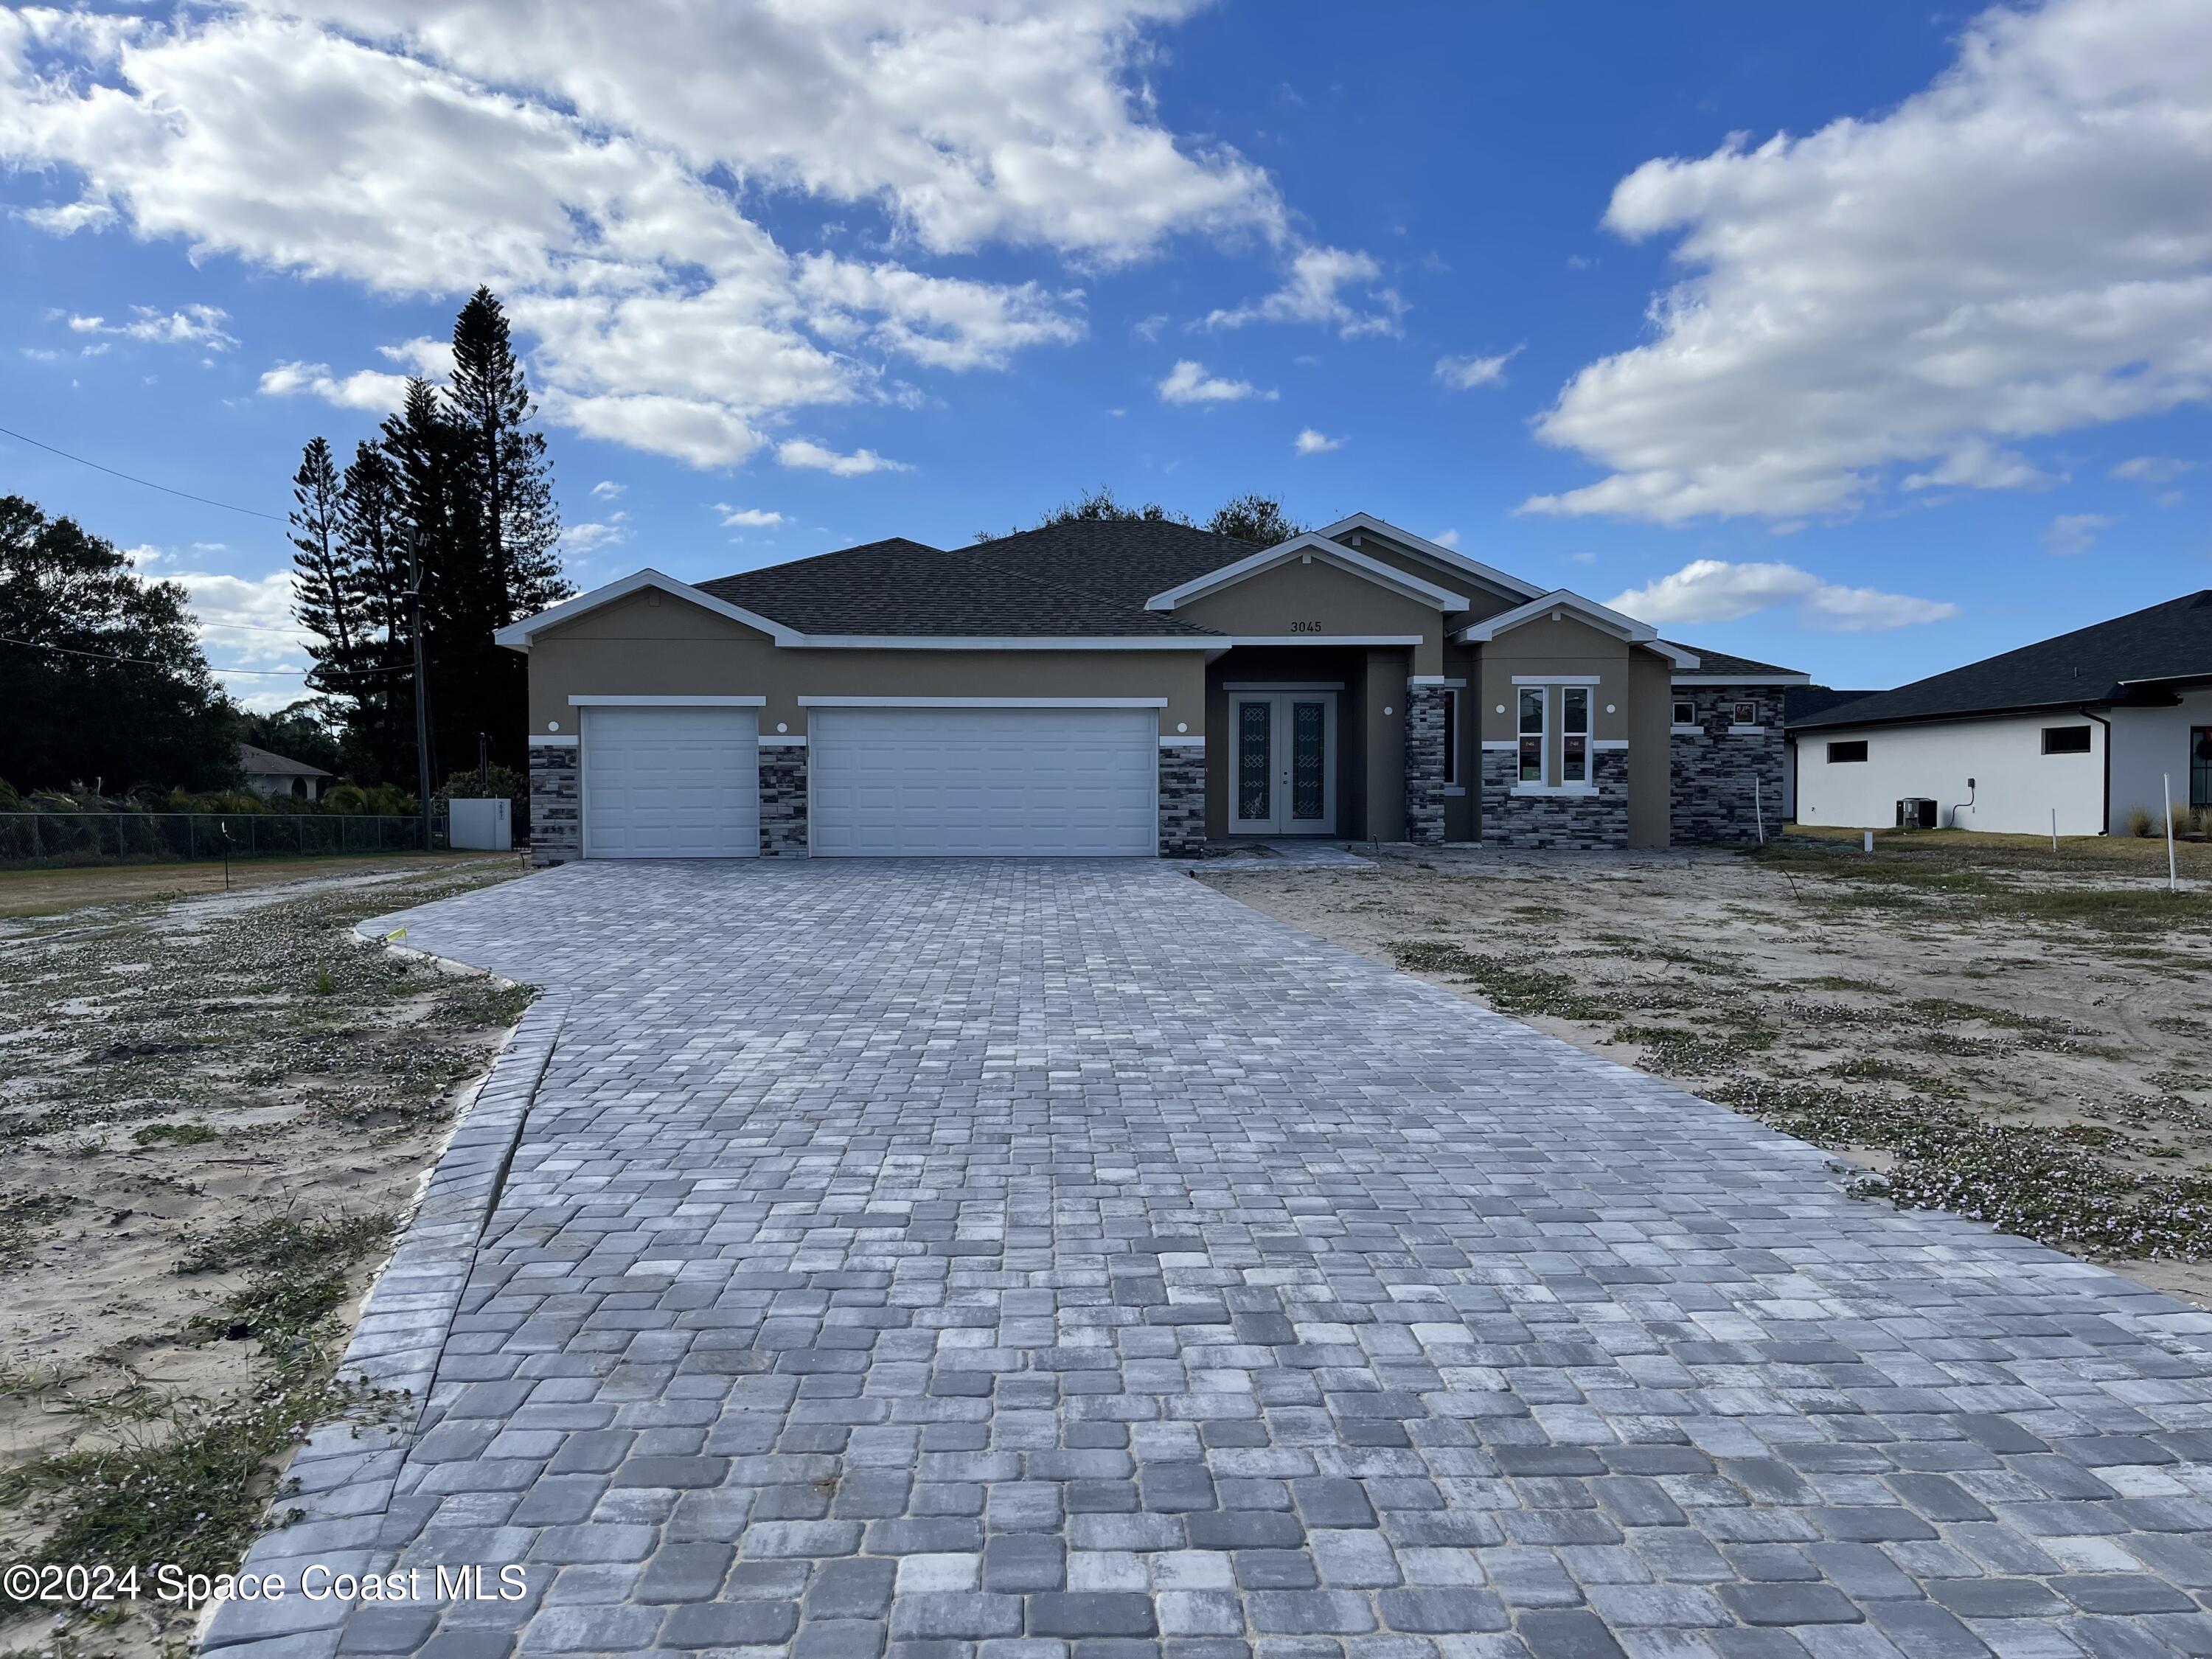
(1284, 781)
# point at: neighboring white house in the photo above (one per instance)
(2082, 730)
(269, 773)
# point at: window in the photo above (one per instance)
(1574, 727)
(2065, 739)
(1451, 736)
(1686, 712)
(1839, 752)
(1747, 713)
(2200, 766)
(1532, 734)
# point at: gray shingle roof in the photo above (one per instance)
(2173, 641)
(903, 587)
(267, 762)
(1801, 702)
(1712, 663)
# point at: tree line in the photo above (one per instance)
(457, 484)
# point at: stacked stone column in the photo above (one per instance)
(1424, 765)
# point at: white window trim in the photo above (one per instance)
(1511, 744)
(1543, 688)
(1588, 734)
(595, 701)
(1437, 682)
(1684, 731)
(1556, 679)
(1453, 698)
(1746, 731)
(1282, 685)
(783, 742)
(1574, 789)
(982, 702)
(1182, 743)
(1608, 745)
(548, 741)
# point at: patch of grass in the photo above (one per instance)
(174, 1134)
(1510, 985)
(1842, 982)
(286, 1243)
(1694, 1053)
(23, 1217)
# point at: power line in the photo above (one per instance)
(205, 501)
(156, 662)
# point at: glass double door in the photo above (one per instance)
(1284, 769)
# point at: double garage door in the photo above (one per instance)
(883, 782)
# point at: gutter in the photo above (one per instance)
(2107, 820)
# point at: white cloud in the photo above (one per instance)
(1312, 292)
(2075, 532)
(1187, 382)
(608, 491)
(1310, 442)
(1446, 538)
(424, 358)
(748, 518)
(1466, 373)
(590, 536)
(2023, 249)
(368, 389)
(598, 167)
(40, 353)
(1719, 590)
(245, 622)
(194, 325)
(2151, 468)
(805, 452)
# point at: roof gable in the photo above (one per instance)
(1307, 548)
(1566, 602)
(517, 636)
(1452, 566)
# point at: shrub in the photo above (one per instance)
(2180, 817)
(2142, 821)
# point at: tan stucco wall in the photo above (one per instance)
(1482, 602)
(1564, 647)
(634, 649)
(1651, 775)
(1317, 598)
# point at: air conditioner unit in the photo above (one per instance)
(1916, 812)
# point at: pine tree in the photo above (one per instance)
(424, 452)
(325, 596)
(371, 535)
(509, 478)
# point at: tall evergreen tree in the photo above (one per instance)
(324, 594)
(372, 533)
(509, 478)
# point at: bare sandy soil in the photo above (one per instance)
(1987, 1027)
(213, 1112)
(42, 892)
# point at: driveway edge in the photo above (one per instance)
(340, 1479)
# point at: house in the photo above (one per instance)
(2080, 731)
(1133, 689)
(1801, 702)
(272, 775)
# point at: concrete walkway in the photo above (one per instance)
(1036, 1260)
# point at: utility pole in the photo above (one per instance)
(421, 686)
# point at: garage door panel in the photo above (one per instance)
(953, 781)
(672, 783)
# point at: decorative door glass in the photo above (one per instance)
(1532, 734)
(1308, 760)
(1255, 759)
(1574, 734)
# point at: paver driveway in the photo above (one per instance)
(1062, 1256)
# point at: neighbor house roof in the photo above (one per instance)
(267, 763)
(1726, 665)
(2102, 663)
(1801, 702)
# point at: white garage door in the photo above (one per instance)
(1041, 782)
(672, 783)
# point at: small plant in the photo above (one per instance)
(325, 985)
(2141, 822)
(174, 1134)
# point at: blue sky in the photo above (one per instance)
(1860, 338)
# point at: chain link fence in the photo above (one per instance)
(83, 838)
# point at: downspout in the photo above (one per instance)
(2103, 823)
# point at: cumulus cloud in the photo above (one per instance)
(242, 623)
(1720, 590)
(608, 491)
(805, 452)
(2075, 532)
(1310, 442)
(1187, 382)
(598, 167)
(1466, 373)
(367, 389)
(1312, 292)
(747, 518)
(2022, 249)
(193, 325)
(591, 536)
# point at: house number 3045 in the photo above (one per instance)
(1305, 628)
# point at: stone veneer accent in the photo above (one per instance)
(1582, 823)
(1424, 765)
(1182, 800)
(556, 806)
(783, 800)
(1714, 769)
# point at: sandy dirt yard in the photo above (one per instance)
(45, 892)
(1976, 1022)
(213, 1113)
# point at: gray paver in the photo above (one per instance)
(1060, 1260)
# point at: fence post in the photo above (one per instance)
(2165, 788)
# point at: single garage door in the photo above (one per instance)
(672, 783)
(1025, 783)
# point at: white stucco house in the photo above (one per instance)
(2081, 730)
(270, 774)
